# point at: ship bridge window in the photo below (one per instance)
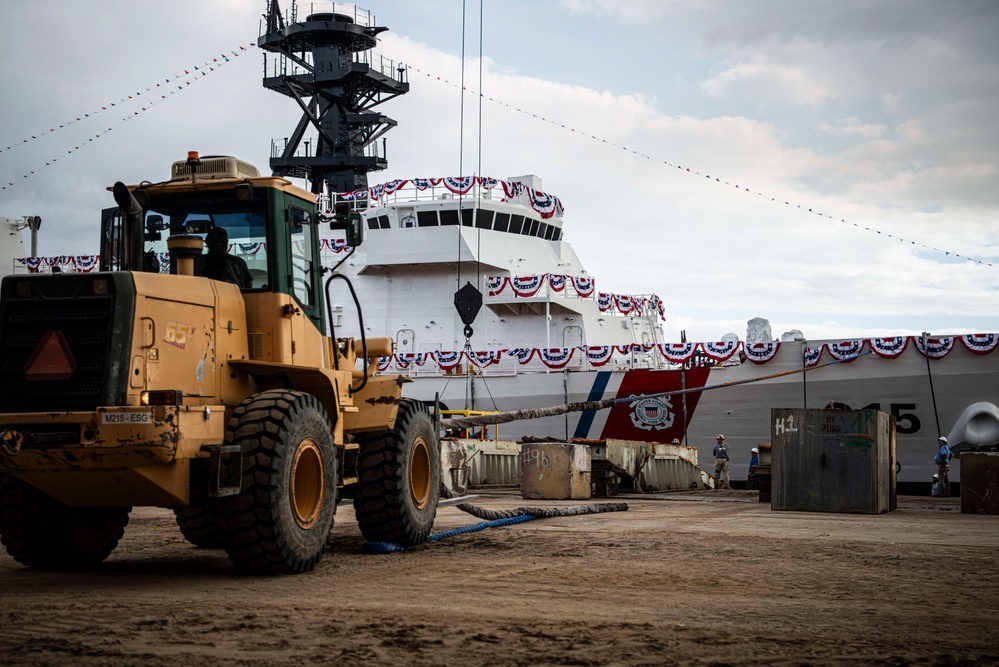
(383, 221)
(372, 223)
(484, 219)
(466, 217)
(558, 234)
(516, 224)
(502, 222)
(449, 217)
(547, 230)
(426, 218)
(535, 226)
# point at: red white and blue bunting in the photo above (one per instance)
(545, 204)
(528, 286)
(936, 347)
(596, 356)
(846, 350)
(980, 343)
(761, 353)
(889, 348)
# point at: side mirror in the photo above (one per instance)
(299, 217)
(355, 229)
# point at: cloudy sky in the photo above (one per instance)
(840, 122)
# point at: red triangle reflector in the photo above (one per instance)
(51, 360)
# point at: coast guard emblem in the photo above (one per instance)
(651, 413)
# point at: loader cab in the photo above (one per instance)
(268, 227)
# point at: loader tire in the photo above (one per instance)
(40, 532)
(199, 526)
(399, 474)
(281, 519)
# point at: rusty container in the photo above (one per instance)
(979, 482)
(832, 461)
(554, 471)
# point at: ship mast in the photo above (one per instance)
(324, 64)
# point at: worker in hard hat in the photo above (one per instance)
(754, 458)
(942, 459)
(935, 487)
(721, 461)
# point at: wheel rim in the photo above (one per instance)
(420, 473)
(308, 483)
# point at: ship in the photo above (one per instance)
(547, 335)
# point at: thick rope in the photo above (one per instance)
(554, 411)
(496, 518)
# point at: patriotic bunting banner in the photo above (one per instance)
(85, 263)
(847, 349)
(721, 350)
(583, 285)
(980, 343)
(485, 358)
(556, 357)
(624, 303)
(253, 248)
(496, 284)
(598, 355)
(526, 286)
(384, 363)
(556, 281)
(546, 205)
(935, 348)
(604, 301)
(889, 348)
(448, 360)
(761, 353)
(522, 354)
(677, 353)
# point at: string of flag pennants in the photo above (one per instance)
(694, 171)
(545, 204)
(557, 358)
(154, 93)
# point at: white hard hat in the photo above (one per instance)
(942, 439)
(720, 437)
(755, 450)
(936, 476)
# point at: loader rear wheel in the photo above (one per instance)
(399, 474)
(281, 519)
(199, 526)
(40, 532)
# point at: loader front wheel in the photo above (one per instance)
(281, 520)
(40, 532)
(399, 474)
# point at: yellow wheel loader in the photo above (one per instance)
(192, 371)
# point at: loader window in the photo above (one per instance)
(246, 232)
(302, 269)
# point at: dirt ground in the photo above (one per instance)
(707, 579)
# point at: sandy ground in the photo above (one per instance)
(709, 579)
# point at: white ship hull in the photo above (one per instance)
(898, 386)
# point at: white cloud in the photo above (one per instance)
(759, 80)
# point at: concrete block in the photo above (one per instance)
(554, 471)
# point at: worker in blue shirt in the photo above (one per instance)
(754, 458)
(942, 459)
